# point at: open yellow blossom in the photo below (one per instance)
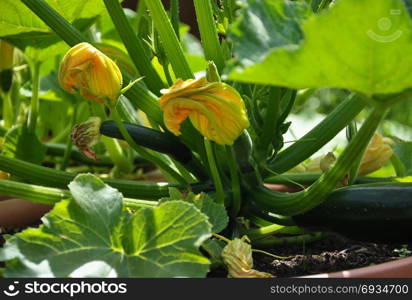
(93, 74)
(377, 154)
(214, 108)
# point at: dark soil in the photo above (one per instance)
(331, 254)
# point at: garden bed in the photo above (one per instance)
(332, 254)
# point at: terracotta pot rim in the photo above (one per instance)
(399, 268)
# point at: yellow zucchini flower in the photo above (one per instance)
(93, 74)
(237, 256)
(215, 109)
(377, 154)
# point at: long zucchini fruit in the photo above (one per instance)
(380, 212)
(163, 142)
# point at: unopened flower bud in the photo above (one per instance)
(6, 56)
(215, 109)
(86, 135)
(237, 256)
(377, 154)
(93, 74)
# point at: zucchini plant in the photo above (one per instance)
(95, 96)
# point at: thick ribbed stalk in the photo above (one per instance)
(50, 196)
(235, 181)
(220, 193)
(271, 242)
(298, 179)
(319, 135)
(8, 114)
(134, 46)
(270, 122)
(32, 193)
(208, 33)
(174, 16)
(292, 204)
(170, 42)
(54, 178)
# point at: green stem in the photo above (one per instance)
(117, 155)
(270, 122)
(112, 146)
(208, 32)
(319, 135)
(256, 233)
(269, 254)
(50, 196)
(174, 16)
(167, 74)
(324, 4)
(61, 135)
(220, 193)
(398, 165)
(134, 46)
(228, 6)
(299, 179)
(271, 242)
(55, 178)
(8, 115)
(144, 153)
(32, 193)
(34, 103)
(235, 184)
(169, 39)
(69, 144)
(263, 218)
(292, 204)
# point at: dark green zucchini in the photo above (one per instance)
(153, 139)
(163, 142)
(379, 212)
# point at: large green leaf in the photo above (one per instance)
(266, 25)
(360, 45)
(25, 30)
(93, 237)
(216, 213)
(16, 18)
